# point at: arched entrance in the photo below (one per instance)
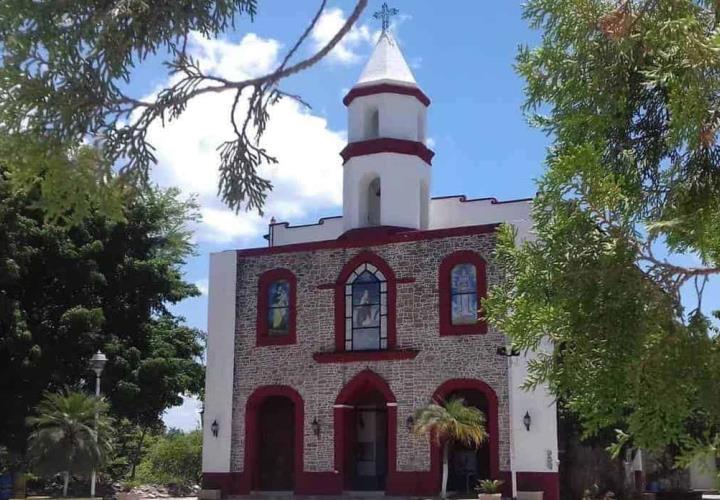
(274, 438)
(466, 464)
(365, 433)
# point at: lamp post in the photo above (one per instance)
(509, 353)
(97, 363)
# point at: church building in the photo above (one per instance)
(324, 344)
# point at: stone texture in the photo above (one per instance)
(412, 381)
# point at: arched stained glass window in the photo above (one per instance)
(366, 310)
(463, 294)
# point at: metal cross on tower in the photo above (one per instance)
(384, 14)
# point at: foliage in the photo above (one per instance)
(67, 67)
(631, 95)
(67, 437)
(174, 458)
(489, 486)
(103, 284)
(452, 421)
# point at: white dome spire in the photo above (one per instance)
(386, 65)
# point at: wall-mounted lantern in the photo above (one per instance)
(215, 428)
(527, 420)
(316, 427)
(410, 423)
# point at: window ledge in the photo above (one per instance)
(354, 356)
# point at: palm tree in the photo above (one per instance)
(64, 437)
(451, 421)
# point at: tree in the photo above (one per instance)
(101, 283)
(67, 437)
(626, 218)
(451, 421)
(174, 458)
(67, 66)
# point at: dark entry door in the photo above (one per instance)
(369, 460)
(276, 453)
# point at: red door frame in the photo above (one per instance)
(254, 402)
(362, 382)
(457, 384)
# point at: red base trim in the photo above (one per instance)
(354, 356)
(385, 88)
(229, 483)
(547, 482)
(411, 484)
(319, 483)
(387, 145)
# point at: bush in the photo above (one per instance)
(175, 458)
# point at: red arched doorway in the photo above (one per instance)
(365, 432)
(274, 438)
(468, 465)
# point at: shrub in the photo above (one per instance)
(175, 458)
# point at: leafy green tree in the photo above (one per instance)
(102, 283)
(450, 422)
(67, 65)
(175, 458)
(627, 217)
(67, 437)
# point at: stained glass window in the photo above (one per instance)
(366, 310)
(278, 311)
(463, 294)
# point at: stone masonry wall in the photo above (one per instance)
(413, 381)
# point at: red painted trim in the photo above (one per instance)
(251, 466)
(319, 483)
(444, 285)
(547, 482)
(493, 201)
(358, 356)
(229, 483)
(364, 258)
(452, 385)
(387, 145)
(385, 88)
(375, 232)
(362, 382)
(262, 332)
(404, 237)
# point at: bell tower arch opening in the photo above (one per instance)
(372, 123)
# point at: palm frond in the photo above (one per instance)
(452, 420)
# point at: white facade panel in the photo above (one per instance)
(220, 361)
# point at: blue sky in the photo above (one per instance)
(462, 55)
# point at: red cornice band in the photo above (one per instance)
(387, 145)
(386, 88)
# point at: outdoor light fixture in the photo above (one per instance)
(97, 364)
(215, 428)
(316, 427)
(410, 422)
(503, 351)
(527, 420)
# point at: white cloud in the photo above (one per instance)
(346, 51)
(185, 417)
(309, 170)
(202, 285)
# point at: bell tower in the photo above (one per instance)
(386, 176)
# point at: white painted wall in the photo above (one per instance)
(536, 450)
(220, 361)
(457, 211)
(443, 213)
(400, 117)
(325, 229)
(401, 177)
